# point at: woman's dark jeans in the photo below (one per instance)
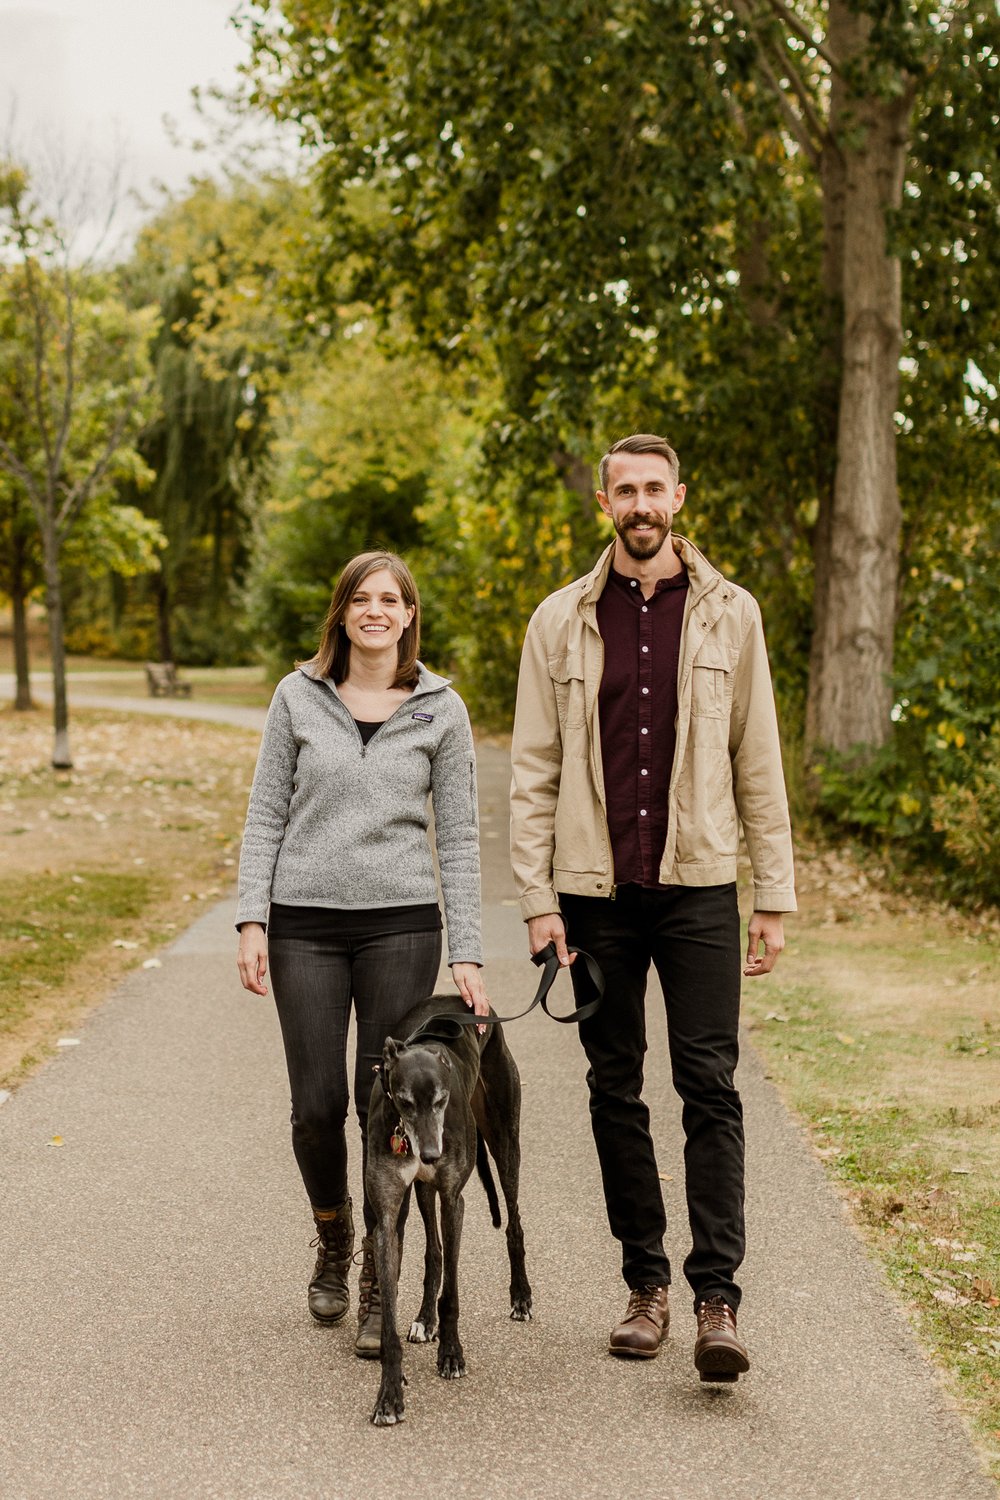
(692, 936)
(314, 984)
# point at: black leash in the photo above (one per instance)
(447, 1028)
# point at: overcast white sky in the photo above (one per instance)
(83, 74)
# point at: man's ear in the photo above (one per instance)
(679, 494)
(604, 502)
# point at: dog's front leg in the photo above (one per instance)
(423, 1329)
(451, 1360)
(389, 1406)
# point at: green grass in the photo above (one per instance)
(61, 920)
(892, 1060)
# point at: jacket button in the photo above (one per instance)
(600, 885)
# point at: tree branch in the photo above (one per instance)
(20, 471)
(796, 123)
(821, 132)
(83, 489)
(786, 14)
(66, 422)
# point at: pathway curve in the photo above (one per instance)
(156, 1342)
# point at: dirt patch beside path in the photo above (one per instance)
(101, 865)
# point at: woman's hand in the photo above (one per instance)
(252, 958)
(469, 979)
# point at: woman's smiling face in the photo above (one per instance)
(377, 614)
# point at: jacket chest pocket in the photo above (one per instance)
(566, 672)
(711, 690)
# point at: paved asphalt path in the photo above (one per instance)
(154, 1339)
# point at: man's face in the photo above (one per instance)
(641, 500)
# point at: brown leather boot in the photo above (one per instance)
(368, 1344)
(719, 1352)
(329, 1297)
(644, 1326)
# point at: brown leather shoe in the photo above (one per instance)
(644, 1326)
(719, 1352)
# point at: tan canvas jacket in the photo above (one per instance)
(727, 763)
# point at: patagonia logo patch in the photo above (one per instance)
(424, 718)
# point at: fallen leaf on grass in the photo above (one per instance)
(152, 963)
(121, 943)
(982, 1291)
(773, 1015)
(56, 1140)
(68, 1041)
(950, 1298)
(961, 1171)
(843, 1038)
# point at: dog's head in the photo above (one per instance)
(418, 1080)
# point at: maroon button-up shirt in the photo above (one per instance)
(637, 703)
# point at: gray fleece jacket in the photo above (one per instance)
(335, 822)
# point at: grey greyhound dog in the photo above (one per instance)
(442, 1093)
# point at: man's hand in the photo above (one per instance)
(765, 927)
(549, 929)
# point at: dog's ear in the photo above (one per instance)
(391, 1050)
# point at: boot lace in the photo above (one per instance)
(716, 1315)
(369, 1293)
(642, 1301)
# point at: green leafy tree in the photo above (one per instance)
(74, 364)
(686, 215)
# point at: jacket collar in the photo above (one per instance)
(700, 571)
(427, 682)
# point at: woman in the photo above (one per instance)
(337, 887)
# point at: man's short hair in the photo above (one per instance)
(640, 442)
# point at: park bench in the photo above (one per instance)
(163, 682)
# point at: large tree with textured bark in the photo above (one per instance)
(728, 216)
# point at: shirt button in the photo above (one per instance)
(643, 731)
(645, 648)
(632, 583)
(642, 812)
(645, 690)
(645, 609)
(644, 772)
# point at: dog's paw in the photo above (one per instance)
(388, 1409)
(421, 1333)
(451, 1366)
(520, 1311)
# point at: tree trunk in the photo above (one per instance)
(18, 600)
(858, 543)
(61, 758)
(165, 644)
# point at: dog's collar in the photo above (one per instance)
(399, 1141)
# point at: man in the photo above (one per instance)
(645, 733)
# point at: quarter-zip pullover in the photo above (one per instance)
(337, 823)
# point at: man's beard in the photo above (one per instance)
(642, 548)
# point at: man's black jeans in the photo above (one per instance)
(314, 983)
(692, 936)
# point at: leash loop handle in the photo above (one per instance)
(440, 1028)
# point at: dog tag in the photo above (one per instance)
(399, 1143)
